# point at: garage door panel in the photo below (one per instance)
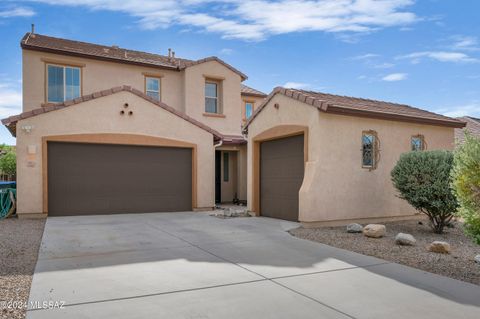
(281, 176)
(104, 179)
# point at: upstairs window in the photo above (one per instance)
(370, 149)
(63, 83)
(248, 109)
(152, 87)
(211, 97)
(417, 143)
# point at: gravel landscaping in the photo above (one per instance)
(19, 243)
(459, 264)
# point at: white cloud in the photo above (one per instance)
(366, 56)
(258, 19)
(395, 77)
(472, 109)
(296, 85)
(385, 65)
(226, 51)
(465, 43)
(442, 56)
(16, 12)
(10, 102)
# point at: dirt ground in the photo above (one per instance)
(19, 243)
(459, 264)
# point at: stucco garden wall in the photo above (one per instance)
(102, 115)
(335, 186)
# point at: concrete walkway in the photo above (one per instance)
(192, 265)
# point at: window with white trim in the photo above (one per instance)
(211, 97)
(63, 83)
(152, 87)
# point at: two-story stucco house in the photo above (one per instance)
(110, 130)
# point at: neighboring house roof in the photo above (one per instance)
(45, 43)
(337, 104)
(11, 122)
(246, 90)
(473, 127)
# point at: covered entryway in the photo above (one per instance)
(92, 179)
(281, 176)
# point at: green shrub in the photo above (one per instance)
(466, 183)
(8, 163)
(423, 180)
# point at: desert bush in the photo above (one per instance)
(8, 163)
(423, 180)
(466, 184)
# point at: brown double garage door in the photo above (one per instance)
(89, 179)
(281, 176)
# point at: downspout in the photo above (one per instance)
(218, 144)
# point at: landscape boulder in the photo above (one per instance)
(405, 239)
(374, 230)
(354, 228)
(477, 259)
(440, 247)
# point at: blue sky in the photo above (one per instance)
(425, 53)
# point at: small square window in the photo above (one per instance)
(417, 143)
(152, 87)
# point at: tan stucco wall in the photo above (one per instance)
(241, 169)
(230, 96)
(229, 188)
(102, 116)
(183, 90)
(335, 186)
(97, 75)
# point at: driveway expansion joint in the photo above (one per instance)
(264, 277)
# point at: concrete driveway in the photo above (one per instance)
(192, 265)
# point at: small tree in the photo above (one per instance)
(466, 183)
(423, 180)
(8, 163)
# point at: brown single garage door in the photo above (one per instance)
(281, 176)
(87, 179)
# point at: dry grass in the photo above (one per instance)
(19, 243)
(459, 264)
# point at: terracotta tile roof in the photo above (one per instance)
(473, 126)
(45, 43)
(234, 139)
(246, 90)
(346, 105)
(11, 122)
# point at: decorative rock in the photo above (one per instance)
(477, 259)
(354, 228)
(405, 239)
(440, 247)
(374, 230)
